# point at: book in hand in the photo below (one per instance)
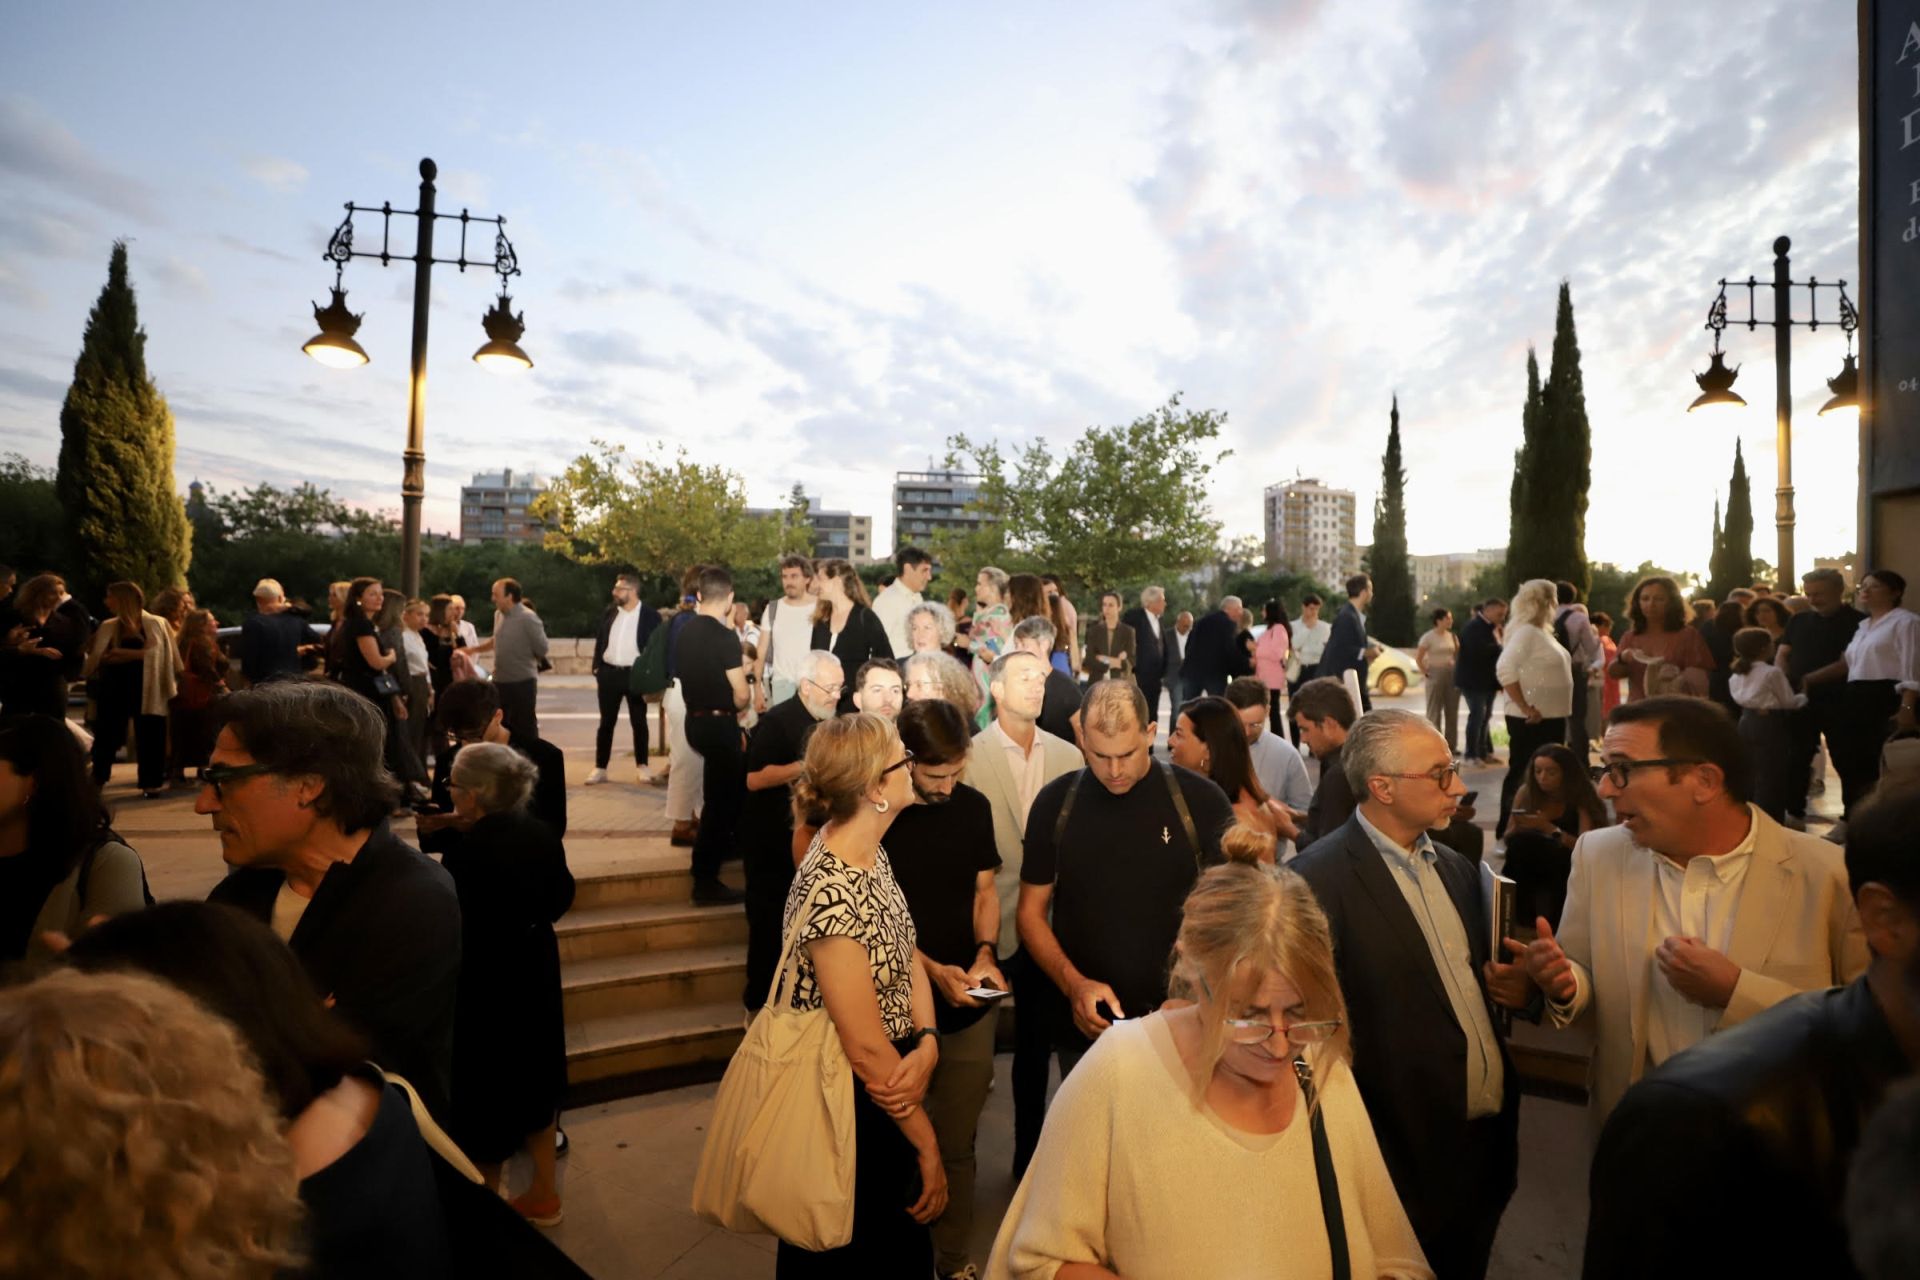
(1496, 898)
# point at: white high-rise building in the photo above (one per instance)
(1310, 530)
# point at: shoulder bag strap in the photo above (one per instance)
(1323, 1173)
(430, 1131)
(1180, 807)
(788, 970)
(766, 641)
(1066, 809)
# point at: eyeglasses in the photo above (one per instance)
(1300, 1035)
(905, 760)
(1442, 776)
(831, 690)
(1620, 772)
(218, 776)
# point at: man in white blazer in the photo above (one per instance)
(1012, 759)
(1696, 912)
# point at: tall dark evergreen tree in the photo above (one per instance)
(1732, 565)
(1523, 456)
(1391, 617)
(1549, 541)
(116, 454)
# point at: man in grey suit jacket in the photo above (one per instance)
(1012, 759)
(1695, 913)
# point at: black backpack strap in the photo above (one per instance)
(1066, 807)
(1180, 807)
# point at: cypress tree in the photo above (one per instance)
(1732, 565)
(1391, 617)
(115, 478)
(1713, 553)
(1551, 541)
(1517, 516)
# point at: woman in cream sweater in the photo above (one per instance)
(1182, 1145)
(1536, 673)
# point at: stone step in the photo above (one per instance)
(610, 986)
(654, 1041)
(646, 875)
(628, 928)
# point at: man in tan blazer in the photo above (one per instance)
(1696, 912)
(1012, 759)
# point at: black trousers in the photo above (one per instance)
(1577, 740)
(1824, 713)
(1523, 740)
(723, 789)
(519, 698)
(1038, 1009)
(1868, 708)
(118, 702)
(614, 686)
(1276, 718)
(1768, 739)
(1539, 866)
(769, 876)
(1150, 690)
(886, 1181)
(1460, 1247)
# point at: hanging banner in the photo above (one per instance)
(1890, 242)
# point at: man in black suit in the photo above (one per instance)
(1154, 656)
(1410, 940)
(1756, 1125)
(299, 796)
(1214, 654)
(1348, 648)
(1474, 676)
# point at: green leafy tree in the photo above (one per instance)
(115, 478)
(265, 509)
(1613, 585)
(662, 514)
(1489, 583)
(1391, 617)
(1549, 538)
(1732, 565)
(1124, 504)
(33, 528)
(1523, 456)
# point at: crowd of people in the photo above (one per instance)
(946, 810)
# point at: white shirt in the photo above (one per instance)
(1153, 622)
(288, 907)
(468, 633)
(1029, 768)
(1534, 660)
(623, 638)
(1309, 642)
(891, 606)
(1764, 687)
(1282, 774)
(416, 652)
(1698, 900)
(790, 623)
(1887, 648)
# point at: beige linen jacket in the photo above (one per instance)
(1794, 930)
(160, 666)
(989, 774)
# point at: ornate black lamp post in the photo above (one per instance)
(1716, 382)
(334, 345)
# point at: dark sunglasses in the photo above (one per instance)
(218, 776)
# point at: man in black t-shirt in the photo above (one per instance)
(271, 638)
(764, 835)
(1814, 639)
(713, 681)
(1117, 871)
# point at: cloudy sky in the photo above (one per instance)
(812, 242)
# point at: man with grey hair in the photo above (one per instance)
(1411, 942)
(1061, 706)
(1214, 654)
(776, 753)
(1110, 854)
(1153, 656)
(271, 637)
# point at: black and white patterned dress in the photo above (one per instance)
(866, 906)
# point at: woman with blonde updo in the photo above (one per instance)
(136, 1138)
(1152, 1143)
(854, 954)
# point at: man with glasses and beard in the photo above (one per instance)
(943, 857)
(1410, 941)
(1693, 914)
(776, 754)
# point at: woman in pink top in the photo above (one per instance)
(1661, 641)
(1270, 662)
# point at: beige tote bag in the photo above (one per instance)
(779, 1150)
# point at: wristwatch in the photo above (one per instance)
(922, 1033)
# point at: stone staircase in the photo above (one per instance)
(650, 984)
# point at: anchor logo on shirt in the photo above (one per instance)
(1166, 836)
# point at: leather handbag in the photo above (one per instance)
(779, 1155)
(1330, 1210)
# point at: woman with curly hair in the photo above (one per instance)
(1661, 643)
(136, 1138)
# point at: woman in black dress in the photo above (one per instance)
(1554, 807)
(509, 1047)
(44, 647)
(844, 624)
(135, 665)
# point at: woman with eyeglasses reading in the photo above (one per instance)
(1196, 1141)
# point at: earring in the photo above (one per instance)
(882, 807)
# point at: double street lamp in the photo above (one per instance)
(1716, 382)
(335, 347)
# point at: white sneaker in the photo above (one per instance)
(596, 777)
(644, 776)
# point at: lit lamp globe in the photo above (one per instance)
(334, 346)
(1716, 386)
(501, 352)
(1845, 386)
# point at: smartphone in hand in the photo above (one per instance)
(989, 994)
